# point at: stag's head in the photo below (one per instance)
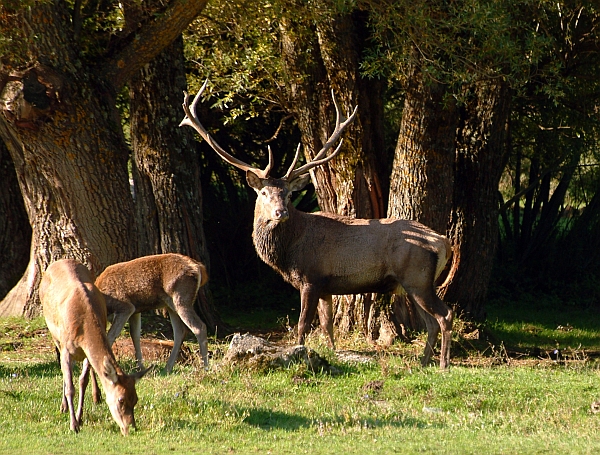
(274, 194)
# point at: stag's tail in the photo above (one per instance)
(443, 257)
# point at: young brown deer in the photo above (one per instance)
(168, 281)
(75, 313)
(323, 254)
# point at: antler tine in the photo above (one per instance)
(291, 169)
(341, 123)
(270, 164)
(192, 120)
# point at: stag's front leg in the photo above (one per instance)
(325, 310)
(309, 300)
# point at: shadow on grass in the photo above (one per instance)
(37, 370)
(267, 419)
(544, 326)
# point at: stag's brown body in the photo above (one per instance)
(75, 313)
(343, 255)
(324, 254)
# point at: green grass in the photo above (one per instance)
(390, 405)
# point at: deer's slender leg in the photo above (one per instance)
(179, 331)
(83, 382)
(96, 394)
(433, 329)
(325, 310)
(135, 330)
(121, 312)
(431, 304)
(183, 307)
(66, 367)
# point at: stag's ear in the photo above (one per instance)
(299, 182)
(254, 180)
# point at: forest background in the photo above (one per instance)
(476, 118)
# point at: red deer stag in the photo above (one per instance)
(323, 254)
(75, 313)
(168, 281)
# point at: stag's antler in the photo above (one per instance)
(341, 123)
(192, 120)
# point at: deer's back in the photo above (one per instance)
(72, 305)
(149, 282)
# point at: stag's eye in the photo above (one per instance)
(263, 193)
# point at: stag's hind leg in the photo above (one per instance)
(433, 306)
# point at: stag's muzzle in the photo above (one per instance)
(281, 215)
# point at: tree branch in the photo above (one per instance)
(151, 40)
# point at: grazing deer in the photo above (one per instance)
(323, 254)
(168, 281)
(75, 313)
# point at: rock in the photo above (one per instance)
(259, 354)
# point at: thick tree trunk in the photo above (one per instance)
(59, 122)
(15, 232)
(350, 184)
(423, 171)
(168, 191)
(72, 171)
(474, 221)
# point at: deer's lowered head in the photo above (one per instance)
(75, 313)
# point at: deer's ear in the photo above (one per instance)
(299, 182)
(254, 180)
(109, 370)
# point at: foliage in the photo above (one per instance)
(455, 43)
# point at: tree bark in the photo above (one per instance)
(474, 221)
(15, 232)
(423, 171)
(59, 122)
(350, 184)
(168, 191)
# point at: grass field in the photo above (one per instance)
(494, 399)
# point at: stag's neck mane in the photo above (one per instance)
(274, 241)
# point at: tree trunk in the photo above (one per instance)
(348, 185)
(168, 192)
(72, 169)
(15, 232)
(59, 122)
(423, 170)
(474, 221)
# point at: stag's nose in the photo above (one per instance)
(281, 214)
